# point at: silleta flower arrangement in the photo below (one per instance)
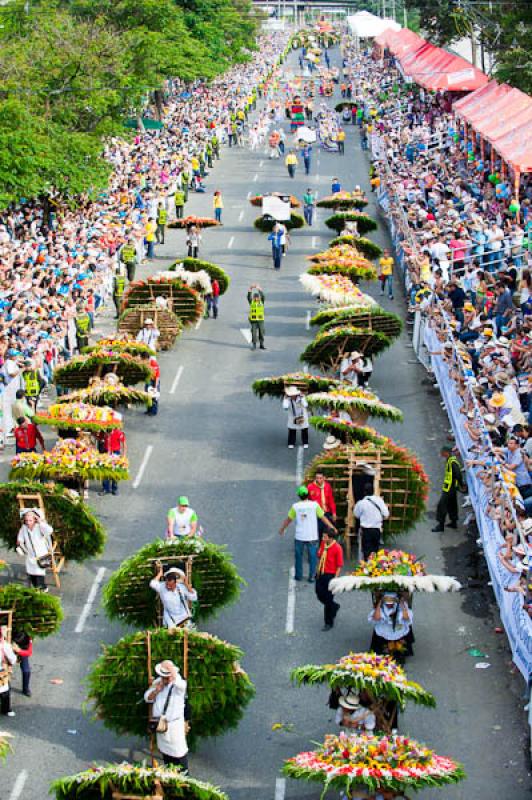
(199, 222)
(394, 569)
(363, 245)
(337, 290)
(120, 346)
(344, 260)
(379, 762)
(107, 394)
(344, 200)
(327, 347)
(360, 400)
(307, 382)
(80, 415)
(380, 675)
(70, 458)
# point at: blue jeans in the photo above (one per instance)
(312, 555)
(387, 280)
(308, 212)
(218, 214)
(277, 255)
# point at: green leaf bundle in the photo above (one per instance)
(99, 782)
(325, 349)
(343, 203)
(213, 270)
(218, 688)
(363, 245)
(104, 394)
(120, 346)
(78, 372)
(77, 531)
(128, 596)
(374, 318)
(266, 223)
(355, 273)
(364, 222)
(187, 303)
(35, 612)
(275, 386)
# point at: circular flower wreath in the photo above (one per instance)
(378, 762)
(380, 675)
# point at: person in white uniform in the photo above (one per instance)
(296, 405)
(149, 334)
(34, 541)
(7, 660)
(167, 694)
(176, 593)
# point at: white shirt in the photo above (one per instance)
(175, 603)
(305, 514)
(148, 336)
(371, 511)
(173, 742)
(7, 658)
(35, 544)
(296, 407)
(181, 522)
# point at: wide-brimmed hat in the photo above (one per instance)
(497, 400)
(292, 391)
(350, 701)
(148, 321)
(165, 669)
(356, 354)
(331, 442)
(36, 511)
(174, 571)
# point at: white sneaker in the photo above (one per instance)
(305, 447)
(11, 714)
(290, 446)
(467, 502)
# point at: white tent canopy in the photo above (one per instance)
(367, 26)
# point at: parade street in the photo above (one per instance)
(217, 443)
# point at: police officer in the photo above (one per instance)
(453, 482)
(128, 255)
(162, 219)
(33, 384)
(215, 147)
(185, 183)
(83, 326)
(119, 285)
(179, 200)
(256, 315)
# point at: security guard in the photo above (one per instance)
(162, 219)
(453, 482)
(179, 200)
(256, 315)
(119, 285)
(185, 183)
(32, 384)
(208, 153)
(83, 326)
(128, 255)
(215, 147)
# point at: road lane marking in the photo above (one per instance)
(280, 788)
(198, 323)
(314, 241)
(290, 611)
(19, 784)
(248, 195)
(299, 465)
(140, 473)
(90, 600)
(246, 333)
(176, 379)
(261, 163)
(230, 242)
(255, 177)
(307, 323)
(241, 216)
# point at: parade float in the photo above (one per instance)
(208, 566)
(169, 325)
(396, 763)
(257, 199)
(213, 271)
(78, 533)
(120, 345)
(79, 416)
(163, 292)
(29, 610)
(78, 372)
(70, 460)
(198, 222)
(342, 260)
(133, 781)
(218, 687)
(393, 571)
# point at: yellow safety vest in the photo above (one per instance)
(128, 253)
(31, 383)
(120, 285)
(162, 216)
(448, 482)
(83, 324)
(256, 311)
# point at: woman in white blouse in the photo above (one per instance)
(296, 405)
(34, 541)
(167, 694)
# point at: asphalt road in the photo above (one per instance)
(225, 449)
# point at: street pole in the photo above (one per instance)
(393, 10)
(405, 17)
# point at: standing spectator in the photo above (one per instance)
(504, 306)
(340, 138)
(114, 443)
(305, 513)
(296, 405)
(193, 241)
(212, 299)
(149, 237)
(162, 219)
(23, 648)
(452, 483)
(176, 594)
(27, 436)
(371, 512)
(386, 273)
(167, 694)
(321, 491)
(7, 660)
(330, 563)
(306, 154)
(218, 205)
(34, 541)
(256, 316)
(291, 163)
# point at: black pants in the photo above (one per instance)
(179, 212)
(292, 433)
(447, 505)
(370, 540)
(181, 761)
(5, 702)
(131, 269)
(321, 524)
(37, 581)
(192, 251)
(325, 596)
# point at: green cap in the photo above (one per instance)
(183, 501)
(302, 491)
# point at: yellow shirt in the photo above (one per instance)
(218, 202)
(194, 163)
(341, 136)
(290, 159)
(386, 265)
(149, 231)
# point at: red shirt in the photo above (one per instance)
(27, 436)
(114, 440)
(323, 496)
(334, 558)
